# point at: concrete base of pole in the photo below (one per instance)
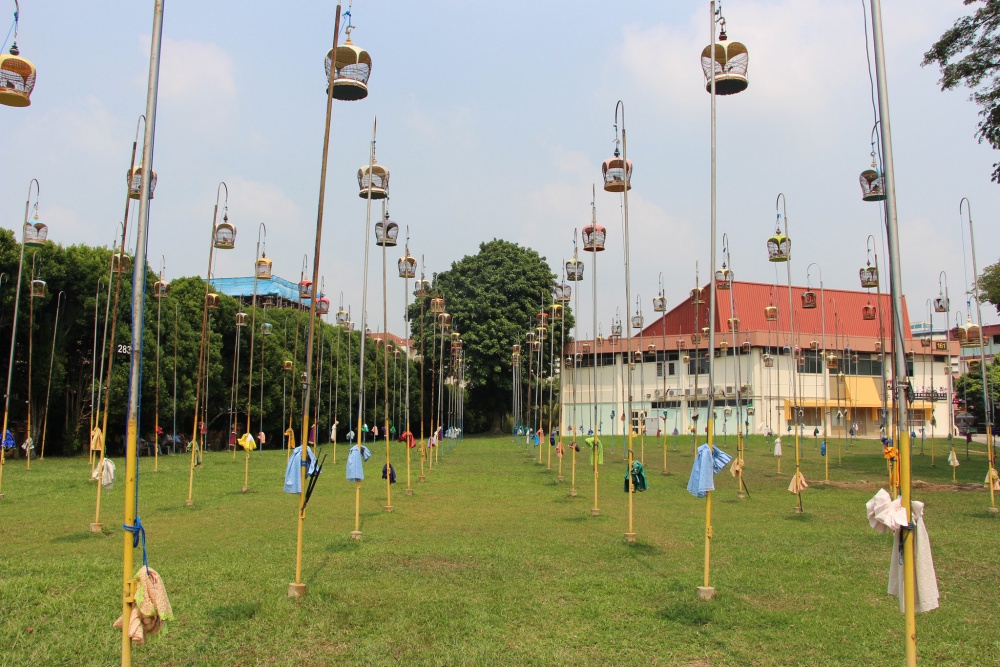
(1, 496)
(296, 590)
(993, 510)
(740, 495)
(355, 534)
(595, 512)
(559, 478)
(572, 493)
(630, 538)
(388, 508)
(189, 503)
(409, 492)
(244, 489)
(96, 527)
(665, 472)
(706, 592)
(422, 479)
(799, 510)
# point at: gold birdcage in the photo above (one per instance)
(242, 319)
(133, 177)
(594, 237)
(225, 235)
(212, 300)
(617, 173)
(386, 232)
(779, 248)
(730, 62)
(17, 77)
(407, 266)
(809, 300)
(352, 66)
(263, 268)
(374, 178)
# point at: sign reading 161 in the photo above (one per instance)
(124, 349)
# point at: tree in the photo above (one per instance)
(968, 54)
(989, 285)
(493, 298)
(969, 390)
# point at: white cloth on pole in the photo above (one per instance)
(105, 471)
(777, 446)
(885, 515)
(953, 459)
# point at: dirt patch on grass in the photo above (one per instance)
(917, 484)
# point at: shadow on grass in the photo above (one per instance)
(687, 613)
(75, 537)
(642, 549)
(233, 613)
(805, 517)
(347, 544)
(576, 519)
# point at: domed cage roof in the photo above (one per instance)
(437, 304)
(242, 319)
(351, 68)
(681, 344)
(17, 79)
(375, 178)
(530, 337)
(444, 319)
(38, 289)
(942, 304)
(266, 328)
(386, 232)
(768, 361)
(957, 333)
(35, 233)
(869, 277)
(133, 177)
(734, 324)
(659, 304)
(322, 305)
(286, 365)
(832, 361)
(925, 342)
(212, 300)
(574, 270)
(422, 288)
(869, 312)
(617, 174)
(557, 312)
(746, 347)
(872, 185)
(563, 293)
(407, 267)
(771, 313)
(306, 289)
(161, 289)
(342, 318)
(723, 278)
(121, 263)
(814, 345)
(809, 300)
(972, 335)
(263, 268)
(779, 248)
(730, 61)
(594, 237)
(225, 235)
(696, 298)
(542, 319)
(616, 330)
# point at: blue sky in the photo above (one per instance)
(494, 119)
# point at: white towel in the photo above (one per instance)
(106, 472)
(777, 446)
(953, 459)
(885, 514)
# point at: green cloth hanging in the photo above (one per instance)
(598, 449)
(638, 477)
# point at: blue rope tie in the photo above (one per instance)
(138, 534)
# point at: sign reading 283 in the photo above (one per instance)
(124, 349)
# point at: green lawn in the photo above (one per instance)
(490, 562)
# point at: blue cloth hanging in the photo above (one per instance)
(355, 459)
(707, 462)
(392, 474)
(822, 449)
(8, 441)
(293, 473)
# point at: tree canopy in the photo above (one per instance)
(968, 54)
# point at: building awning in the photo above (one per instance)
(862, 392)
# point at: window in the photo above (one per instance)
(671, 368)
(699, 365)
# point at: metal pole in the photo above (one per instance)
(48, 386)
(706, 591)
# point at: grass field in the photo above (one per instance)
(490, 562)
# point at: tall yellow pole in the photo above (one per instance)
(31, 340)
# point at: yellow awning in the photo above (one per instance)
(862, 392)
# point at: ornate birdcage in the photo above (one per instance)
(585, 346)
(437, 304)
(651, 348)
(779, 247)
(161, 289)
(659, 304)
(351, 67)
(878, 346)
(242, 319)
(730, 62)
(286, 365)
(563, 293)
(212, 300)
(696, 297)
(407, 266)
(925, 342)
(133, 177)
(557, 312)
(832, 362)
(305, 289)
(542, 320)
(17, 76)
(872, 183)
(535, 346)
(517, 348)
(868, 312)
(322, 305)
(574, 270)
(723, 346)
(809, 300)
(386, 232)
(616, 330)
(855, 358)
(38, 289)
(686, 358)
(957, 333)
(35, 233)
(266, 328)
(681, 344)
(594, 237)
(734, 324)
(422, 288)
(342, 318)
(771, 313)
(768, 361)
(263, 268)
(746, 347)
(121, 262)
(909, 355)
(374, 179)
(814, 345)
(617, 173)
(942, 304)
(225, 235)
(530, 337)
(869, 277)
(972, 335)
(723, 278)
(444, 319)
(695, 339)
(637, 321)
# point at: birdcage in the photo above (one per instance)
(422, 288)
(322, 306)
(771, 313)
(530, 337)
(437, 304)
(386, 232)
(517, 348)
(242, 319)
(536, 346)
(779, 248)
(723, 346)
(872, 185)
(542, 320)
(212, 300)
(637, 321)
(342, 318)
(723, 278)
(686, 358)
(942, 304)
(305, 289)
(286, 365)
(225, 235)
(160, 289)
(695, 338)
(121, 262)
(616, 329)
(263, 268)
(133, 177)
(878, 346)
(17, 78)
(832, 362)
(557, 312)
(35, 234)
(972, 335)
(730, 62)
(585, 346)
(809, 300)
(746, 347)
(617, 173)
(659, 304)
(563, 293)
(38, 289)
(594, 237)
(696, 297)
(374, 179)
(574, 270)
(733, 324)
(868, 312)
(444, 319)
(768, 361)
(351, 67)
(869, 277)
(407, 266)
(925, 342)
(266, 328)
(958, 333)
(681, 344)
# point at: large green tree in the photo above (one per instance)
(989, 285)
(968, 54)
(493, 298)
(969, 391)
